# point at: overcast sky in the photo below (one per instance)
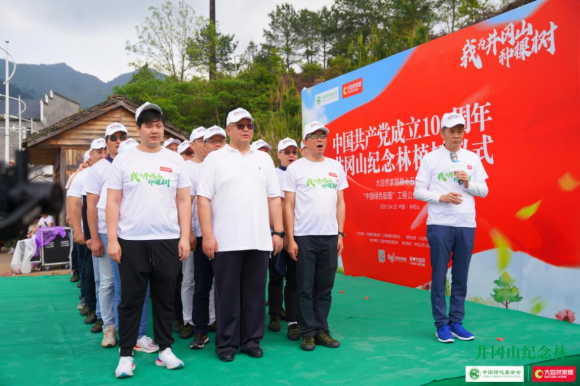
(90, 35)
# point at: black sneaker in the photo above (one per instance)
(186, 332)
(282, 314)
(84, 311)
(178, 326)
(212, 327)
(199, 341)
(97, 327)
(307, 343)
(74, 278)
(293, 332)
(324, 339)
(91, 317)
(274, 325)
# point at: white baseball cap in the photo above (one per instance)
(260, 143)
(98, 143)
(312, 127)
(214, 130)
(87, 156)
(197, 133)
(452, 120)
(170, 141)
(146, 106)
(183, 147)
(302, 145)
(128, 144)
(286, 142)
(115, 127)
(237, 115)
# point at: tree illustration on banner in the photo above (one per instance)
(506, 292)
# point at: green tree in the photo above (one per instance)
(208, 41)
(327, 28)
(163, 39)
(448, 13)
(282, 35)
(307, 30)
(506, 292)
(475, 10)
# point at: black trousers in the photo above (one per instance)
(276, 288)
(147, 261)
(203, 277)
(74, 260)
(85, 257)
(177, 305)
(315, 272)
(240, 278)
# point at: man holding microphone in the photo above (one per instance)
(448, 180)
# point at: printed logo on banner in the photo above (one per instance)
(352, 88)
(381, 256)
(494, 373)
(396, 259)
(327, 97)
(417, 261)
(554, 373)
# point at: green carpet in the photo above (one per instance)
(387, 339)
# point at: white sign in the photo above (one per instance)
(326, 97)
(494, 374)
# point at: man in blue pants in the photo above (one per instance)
(448, 180)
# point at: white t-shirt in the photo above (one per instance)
(96, 183)
(149, 182)
(316, 185)
(239, 187)
(193, 170)
(280, 174)
(77, 187)
(436, 178)
(43, 222)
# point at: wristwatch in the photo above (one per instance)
(280, 234)
(342, 234)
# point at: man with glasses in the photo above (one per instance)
(314, 214)
(287, 154)
(238, 194)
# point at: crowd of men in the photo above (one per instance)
(196, 228)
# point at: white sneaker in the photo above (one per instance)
(109, 337)
(81, 304)
(166, 358)
(125, 368)
(145, 344)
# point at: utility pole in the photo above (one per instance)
(212, 60)
(7, 111)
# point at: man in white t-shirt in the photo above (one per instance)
(76, 196)
(238, 194)
(448, 180)
(148, 217)
(287, 154)
(202, 299)
(314, 214)
(46, 220)
(172, 144)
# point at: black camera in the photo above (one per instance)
(22, 201)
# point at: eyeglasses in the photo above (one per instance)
(241, 126)
(290, 152)
(114, 138)
(188, 153)
(316, 136)
(214, 141)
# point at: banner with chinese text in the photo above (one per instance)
(516, 80)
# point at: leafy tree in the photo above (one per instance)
(448, 13)
(282, 33)
(307, 30)
(163, 39)
(207, 42)
(475, 10)
(327, 31)
(506, 292)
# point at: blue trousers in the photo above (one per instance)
(445, 243)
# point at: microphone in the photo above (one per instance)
(454, 158)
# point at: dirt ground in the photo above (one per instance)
(5, 270)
